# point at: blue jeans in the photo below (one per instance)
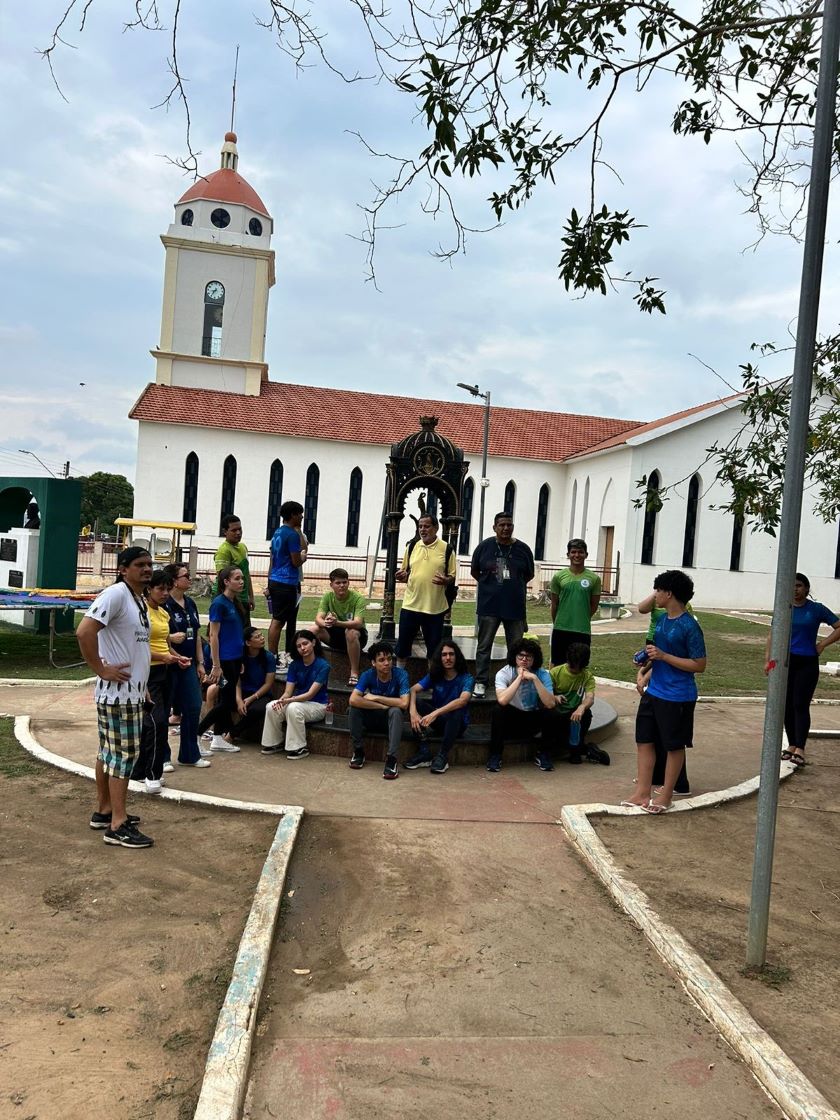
(186, 695)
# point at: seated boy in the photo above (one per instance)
(341, 620)
(377, 703)
(574, 694)
(524, 704)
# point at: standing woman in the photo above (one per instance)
(185, 680)
(256, 683)
(803, 665)
(226, 641)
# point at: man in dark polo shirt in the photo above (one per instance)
(503, 567)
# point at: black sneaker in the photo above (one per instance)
(103, 820)
(301, 752)
(576, 755)
(419, 760)
(596, 754)
(277, 749)
(358, 759)
(392, 768)
(127, 836)
(543, 762)
(494, 763)
(440, 764)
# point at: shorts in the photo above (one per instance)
(284, 598)
(337, 638)
(120, 728)
(668, 722)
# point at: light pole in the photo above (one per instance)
(23, 451)
(484, 481)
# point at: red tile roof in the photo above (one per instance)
(225, 185)
(340, 414)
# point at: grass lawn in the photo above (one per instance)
(24, 654)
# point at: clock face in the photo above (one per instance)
(255, 227)
(220, 218)
(215, 291)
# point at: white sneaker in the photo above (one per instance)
(168, 768)
(479, 690)
(207, 737)
(205, 752)
(223, 746)
(201, 762)
(152, 786)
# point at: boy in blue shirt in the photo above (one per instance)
(666, 711)
(377, 703)
(288, 555)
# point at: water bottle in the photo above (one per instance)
(329, 715)
(574, 733)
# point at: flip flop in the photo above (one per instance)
(630, 805)
(354, 680)
(655, 809)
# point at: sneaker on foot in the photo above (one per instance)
(168, 768)
(205, 752)
(103, 820)
(494, 763)
(207, 737)
(440, 764)
(543, 762)
(152, 786)
(276, 749)
(358, 759)
(301, 752)
(479, 690)
(127, 836)
(392, 767)
(575, 755)
(419, 760)
(223, 746)
(199, 763)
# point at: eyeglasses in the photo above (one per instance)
(184, 575)
(530, 656)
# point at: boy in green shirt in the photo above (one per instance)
(575, 594)
(232, 553)
(340, 620)
(574, 694)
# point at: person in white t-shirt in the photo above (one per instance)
(114, 641)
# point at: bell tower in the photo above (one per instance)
(218, 273)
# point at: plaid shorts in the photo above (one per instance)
(119, 727)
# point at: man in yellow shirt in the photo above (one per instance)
(429, 567)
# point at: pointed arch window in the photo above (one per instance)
(735, 552)
(585, 514)
(431, 503)
(653, 504)
(228, 489)
(310, 502)
(573, 509)
(466, 512)
(190, 487)
(275, 498)
(214, 310)
(542, 522)
(354, 508)
(690, 534)
(510, 498)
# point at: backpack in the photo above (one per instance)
(451, 590)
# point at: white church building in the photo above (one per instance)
(216, 436)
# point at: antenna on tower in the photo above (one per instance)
(233, 92)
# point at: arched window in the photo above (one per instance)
(585, 514)
(466, 512)
(542, 522)
(354, 508)
(228, 489)
(510, 498)
(190, 487)
(431, 503)
(275, 498)
(737, 543)
(573, 510)
(690, 535)
(310, 502)
(653, 504)
(214, 310)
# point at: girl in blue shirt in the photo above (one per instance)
(452, 688)
(803, 665)
(255, 685)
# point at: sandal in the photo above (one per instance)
(798, 760)
(788, 756)
(354, 680)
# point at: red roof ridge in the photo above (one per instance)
(225, 185)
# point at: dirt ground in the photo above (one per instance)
(697, 871)
(113, 963)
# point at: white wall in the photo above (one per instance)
(195, 270)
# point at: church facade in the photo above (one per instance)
(216, 435)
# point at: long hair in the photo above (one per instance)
(224, 576)
(247, 635)
(436, 671)
(319, 649)
(526, 645)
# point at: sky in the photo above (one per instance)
(87, 187)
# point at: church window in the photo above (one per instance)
(690, 535)
(190, 487)
(510, 498)
(585, 513)
(220, 218)
(466, 512)
(228, 489)
(653, 504)
(737, 546)
(542, 521)
(214, 310)
(255, 227)
(310, 502)
(573, 509)
(275, 498)
(432, 504)
(187, 218)
(354, 508)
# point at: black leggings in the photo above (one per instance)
(220, 718)
(803, 674)
(154, 742)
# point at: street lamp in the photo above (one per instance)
(23, 451)
(484, 482)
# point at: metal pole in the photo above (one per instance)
(800, 402)
(484, 466)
